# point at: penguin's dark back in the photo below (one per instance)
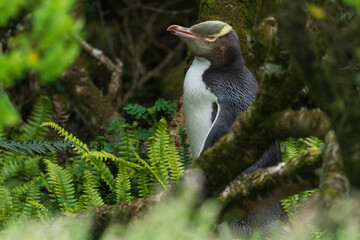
(233, 85)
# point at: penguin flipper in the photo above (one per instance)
(219, 128)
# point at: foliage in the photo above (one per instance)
(293, 147)
(46, 48)
(34, 146)
(162, 106)
(175, 219)
(289, 149)
(119, 170)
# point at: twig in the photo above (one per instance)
(151, 73)
(116, 69)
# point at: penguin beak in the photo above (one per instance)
(181, 32)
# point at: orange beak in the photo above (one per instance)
(181, 32)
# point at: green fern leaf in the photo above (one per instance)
(34, 146)
(41, 113)
(147, 166)
(174, 162)
(123, 184)
(164, 105)
(92, 195)
(13, 163)
(144, 184)
(136, 110)
(184, 149)
(78, 145)
(61, 185)
(158, 151)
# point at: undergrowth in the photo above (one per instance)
(131, 161)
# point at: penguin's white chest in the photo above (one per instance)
(198, 105)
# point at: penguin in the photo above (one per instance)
(218, 87)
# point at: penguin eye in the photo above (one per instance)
(210, 38)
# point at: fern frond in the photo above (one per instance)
(136, 110)
(313, 142)
(126, 142)
(34, 146)
(79, 146)
(33, 196)
(184, 149)
(164, 105)
(147, 166)
(123, 184)
(105, 155)
(61, 185)
(158, 151)
(42, 212)
(144, 184)
(41, 113)
(22, 188)
(290, 151)
(6, 207)
(14, 163)
(92, 195)
(175, 165)
(97, 161)
(294, 204)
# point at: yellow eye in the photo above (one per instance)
(210, 38)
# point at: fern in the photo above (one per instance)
(184, 149)
(144, 185)
(139, 111)
(41, 211)
(40, 113)
(291, 148)
(136, 110)
(96, 161)
(78, 145)
(123, 184)
(163, 156)
(22, 188)
(34, 146)
(164, 105)
(92, 195)
(105, 155)
(6, 207)
(147, 166)
(14, 163)
(157, 151)
(61, 185)
(32, 199)
(174, 162)
(294, 204)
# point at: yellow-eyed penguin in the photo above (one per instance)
(217, 88)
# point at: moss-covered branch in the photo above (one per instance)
(248, 140)
(269, 185)
(333, 182)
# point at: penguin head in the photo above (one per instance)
(213, 40)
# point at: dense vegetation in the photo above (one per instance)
(83, 128)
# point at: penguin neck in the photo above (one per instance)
(232, 58)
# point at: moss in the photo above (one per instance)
(241, 15)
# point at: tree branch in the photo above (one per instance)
(116, 69)
(267, 186)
